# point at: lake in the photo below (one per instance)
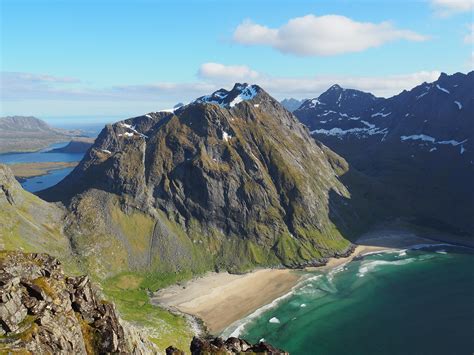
(42, 182)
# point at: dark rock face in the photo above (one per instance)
(235, 167)
(419, 144)
(43, 311)
(231, 346)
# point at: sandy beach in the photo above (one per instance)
(220, 299)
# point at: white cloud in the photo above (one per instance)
(312, 35)
(470, 62)
(450, 7)
(385, 86)
(55, 97)
(229, 72)
(469, 38)
(303, 87)
(36, 78)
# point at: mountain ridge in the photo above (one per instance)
(402, 141)
(28, 133)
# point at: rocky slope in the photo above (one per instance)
(231, 181)
(25, 133)
(43, 311)
(418, 143)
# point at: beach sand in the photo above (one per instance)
(220, 299)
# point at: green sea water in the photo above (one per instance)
(418, 301)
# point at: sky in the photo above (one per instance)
(107, 60)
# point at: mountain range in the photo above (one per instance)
(27, 133)
(292, 104)
(418, 143)
(234, 181)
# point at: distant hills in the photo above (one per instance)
(292, 104)
(419, 143)
(27, 133)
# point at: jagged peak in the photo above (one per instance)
(336, 87)
(228, 99)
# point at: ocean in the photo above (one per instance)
(416, 301)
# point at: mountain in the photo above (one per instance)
(230, 181)
(418, 143)
(21, 133)
(291, 104)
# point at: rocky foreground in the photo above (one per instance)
(230, 346)
(43, 311)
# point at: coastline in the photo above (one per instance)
(217, 301)
(24, 171)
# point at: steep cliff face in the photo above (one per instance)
(418, 144)
(232, 180)
(43, 311)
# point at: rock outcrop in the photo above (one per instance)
(44, 311)
(202, 346)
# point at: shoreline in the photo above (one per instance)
(24, 171)
(217, 301)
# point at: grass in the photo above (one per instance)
(129, 293)
(27, 170)
(137, 226)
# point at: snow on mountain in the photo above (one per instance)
(229, 99)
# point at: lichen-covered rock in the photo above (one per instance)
(44, 311)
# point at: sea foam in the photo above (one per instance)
(368, 266)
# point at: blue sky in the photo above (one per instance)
(120, 58)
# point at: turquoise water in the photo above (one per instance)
(42, 182)
(411, 302)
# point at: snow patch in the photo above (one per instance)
(106, 151)
(381, 114)
(442, 89)
(452, 142)
(226, 136)
(420, 96)
(368, 124)
(247, 93)
(459, 104)
(415, 137)
(338, 132)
